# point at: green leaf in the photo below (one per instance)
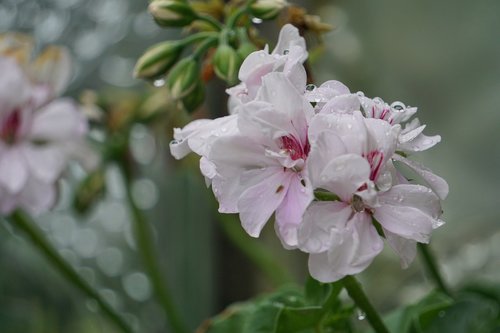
(298, 320)
(264, 319)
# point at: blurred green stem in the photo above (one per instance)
(432, 268)
(357, 294)
(145, 245)
(235, 16)
(24, 222)
(211, 21)
(256, 252)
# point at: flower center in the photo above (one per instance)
(294, 148)
(9, 127)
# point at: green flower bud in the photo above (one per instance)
(194, 99)
(157, 60)
(89, 191)
(267, 9)
(245, 49)
(226, 63)
(183, 77)
(172, 13)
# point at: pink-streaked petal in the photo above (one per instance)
(404, 221)
(436, 183)
(58, 121)
(258, 203)
(406, 249)
(45, 162)
(289, 213)
(13, 170)
(319, 219)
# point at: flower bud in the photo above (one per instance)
(157, 60)
(226, 63)
(183, 77)
(267, 9)
(172, 13)
(245, 49)
(194, 99)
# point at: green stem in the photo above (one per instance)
(146, 248)
(432, 268)
(24, 222)
(355, 291)
(235, 16)
(210, 20)
(204, 46)
(197, 37)
(259, 255)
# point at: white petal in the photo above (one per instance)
(289, 213)
(289, 36)
(407, 222)
(436, 183)
(344, 175)
(53, 68)
(411, 195)
(319, 219)
(58, 121)
(405, 248)
(342, 104)
(353, 249)
(420, 143)
(15, 88)
(324, 149)
(13, 170)
(37, 197)
(258, 203)
(45, 162)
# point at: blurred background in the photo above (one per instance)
(442, 56)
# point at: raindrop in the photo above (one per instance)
(360, 94)
(398, 106)
(285, 52)
(159, 83)
(441, 314)
(361, 315)
(310, 87)
(378, 100)
(256, 20)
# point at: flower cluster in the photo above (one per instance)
(321, 159)
(39, 132)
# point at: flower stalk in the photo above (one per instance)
(432, 268)
(145, 245)
(357, 294)
(24, 223)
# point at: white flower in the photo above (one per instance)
(262, 169)
(37, 137)
(349, 156)
(287, 57)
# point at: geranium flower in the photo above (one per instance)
(349, 156)
(287, 57)
(261, 170)
(38, 134)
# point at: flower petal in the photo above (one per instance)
(405, 248)
(13, 170)
(45, 162)
(289, 213)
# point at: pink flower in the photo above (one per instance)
(287, 57)
(261, 170)
(37, 137)
(350, 156)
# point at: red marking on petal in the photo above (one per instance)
(10, 126)
(375, 159)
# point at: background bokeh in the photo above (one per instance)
(442, 56)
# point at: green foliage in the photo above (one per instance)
(288, 310)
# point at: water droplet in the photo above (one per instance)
(398, 106)
(137, 286)
(310, 87)
(378, 100)
(360, 94)
(159, 83)
(441, 314)
(285, 52)
(361, 315)
(256, 20)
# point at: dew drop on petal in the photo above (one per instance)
(398, 106)
(360, 94)
(361, 315)
(285, 52)
(256, 20)
(310, 87)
